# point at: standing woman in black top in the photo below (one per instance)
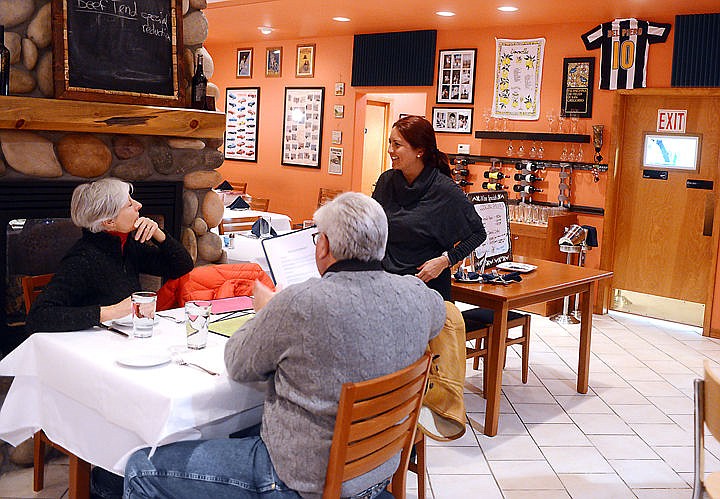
(431, 223)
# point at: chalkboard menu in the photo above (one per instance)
(493, 209)
(118, 50)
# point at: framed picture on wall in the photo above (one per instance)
(273, 61)
(577, 87)
(456, 76)
(305, 62)
(244, 63)
(242, 106)
(302, 126)
(336, 161)
(452, 119)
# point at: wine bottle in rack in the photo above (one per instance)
(463, 172)
(494, 175)
(528, 189)
(529, 166)
(463, 183)
(4, 65)
(527, 177)
(461, 161)
(493, 186)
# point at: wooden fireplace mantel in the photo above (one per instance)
(30, 113)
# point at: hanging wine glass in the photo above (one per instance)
(579, 155)
(540, 151)
(510, 149)
(571, 154)
(564, 153)
(487, 116)
(561, 124)
(521, 150)
(533, 150)
(550, 118)
(574, 124)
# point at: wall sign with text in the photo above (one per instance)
(241, 123)
(577, 87)
(493, 209)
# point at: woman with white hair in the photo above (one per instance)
(100, 272)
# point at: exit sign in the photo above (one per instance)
(671, 120)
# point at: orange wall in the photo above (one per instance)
(293, 190)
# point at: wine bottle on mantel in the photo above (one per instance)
(4, 64)
(199, 86)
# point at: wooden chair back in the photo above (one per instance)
(376, 419)
(236, 224)
(712, 400)
(326, 195)
(239, 187)
(259, 204)
(707, 412)
(32, 286)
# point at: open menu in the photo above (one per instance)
(291, 257)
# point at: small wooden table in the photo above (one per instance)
(549, 281)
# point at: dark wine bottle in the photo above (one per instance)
(463, 172)
(199, 86)
(461, 161)
(463, 183)
(4, 64)
(493, 186)
(527, 177)
(531, 167)
(494, 175)
(526, 188)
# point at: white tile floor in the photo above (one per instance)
(630, 436)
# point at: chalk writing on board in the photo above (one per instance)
(492, 208)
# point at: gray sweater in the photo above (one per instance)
(351, 325)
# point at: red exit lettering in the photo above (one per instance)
(671, 120)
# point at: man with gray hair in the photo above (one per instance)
(355, 323)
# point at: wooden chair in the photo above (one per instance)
(326, 195)
(32, 286)
(236, 224)
(478, 324)
(239, 187)
(376, 419)
(259, 204)
(707, 412)
(79, 469)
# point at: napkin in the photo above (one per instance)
(261, 222)
(225, 186)
(239, 204)
(502, 278)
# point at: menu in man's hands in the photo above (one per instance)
(291, 257)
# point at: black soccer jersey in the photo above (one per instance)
(624, 50)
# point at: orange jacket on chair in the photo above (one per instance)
(210, 282)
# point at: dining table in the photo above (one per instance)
(101, 395)
(278, 221)
(547, 281)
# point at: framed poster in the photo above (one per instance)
(92, 43)
(305, 62)
(339, 111)
(241, 123)
(577, 87)
(456, 76)
(273, 61)
(302, 126)
(452, 119)
(336, 160)
(493, 209)
(340, 88)
(244, 63)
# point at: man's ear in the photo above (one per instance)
(323, 246)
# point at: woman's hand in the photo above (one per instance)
(146, 229)
(432, 268)
(116, 311)
(262, 295)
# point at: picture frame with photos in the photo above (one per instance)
(302, 126)
(244, 63)
(273, 62)
(452, 119)
(456, 76)
(242, 106)
(305, 61)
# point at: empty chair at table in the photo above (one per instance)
(259, 204)
(236, 224)
(707, 412)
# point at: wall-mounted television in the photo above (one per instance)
(672, 151)
(404, 58)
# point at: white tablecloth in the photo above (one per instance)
(278, 221)
(71, 386)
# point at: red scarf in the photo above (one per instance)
(123, 238)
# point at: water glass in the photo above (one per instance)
(143, 313)
(197, 317)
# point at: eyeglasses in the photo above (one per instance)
(315, 237)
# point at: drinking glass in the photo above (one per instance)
(574, 124)
(197, 317)
(571, 154)
(533, 150)
(308, 223)
(540, 151)
(487, 116)
(564, 153)
(143, 313)
(579, 155)
(550, 118)
(521, 150)
(510, 149)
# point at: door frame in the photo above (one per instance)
(615, 168)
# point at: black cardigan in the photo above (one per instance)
(424, 219)
(98, 272)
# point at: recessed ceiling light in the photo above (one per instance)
(507, 8)
(341, 19)
(265, 30)
(445, 13)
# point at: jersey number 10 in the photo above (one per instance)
(624, 54)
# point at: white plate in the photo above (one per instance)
(127, 321)
(144, 360)
(516, 267)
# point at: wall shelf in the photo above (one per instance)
(539, 136)
(546, 163)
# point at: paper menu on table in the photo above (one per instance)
(291, 257)
(492, 208)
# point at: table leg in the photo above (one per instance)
(79, 478)
(494, 365)
(585, 333)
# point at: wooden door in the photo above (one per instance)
(665, 235)
(375, 144)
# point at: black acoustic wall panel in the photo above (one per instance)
(696, 51)
(405, 58)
